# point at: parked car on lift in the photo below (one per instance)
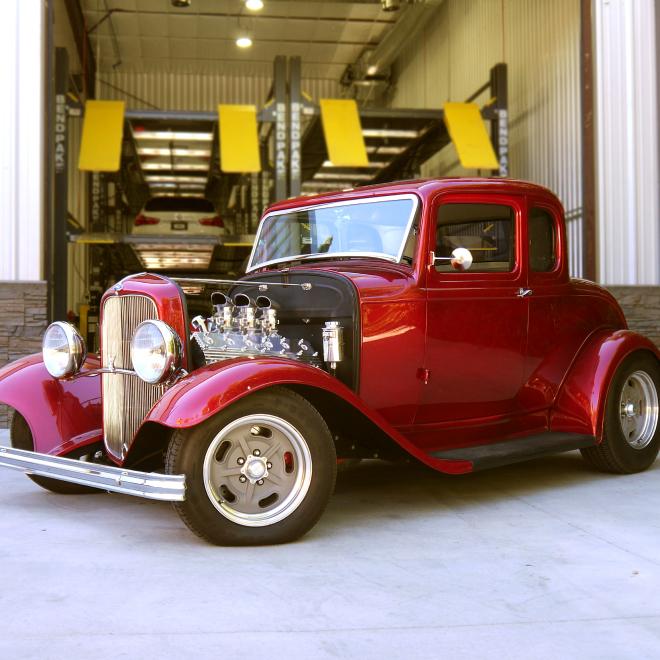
(179, 215)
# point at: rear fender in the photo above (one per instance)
(580, 404)
(62, 414)
(208, 390)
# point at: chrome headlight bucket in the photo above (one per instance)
(155, 351)
(63, 350)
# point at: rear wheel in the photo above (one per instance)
(21, 438)
(631, 433)
(260, 472)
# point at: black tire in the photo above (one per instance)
(215, 445)
(21, 438)
(615, 454)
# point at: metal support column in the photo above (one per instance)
(59, 275)
(588, 143)
(280, 128)
(499, 129)
(295, 126)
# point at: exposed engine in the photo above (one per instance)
(243, 326)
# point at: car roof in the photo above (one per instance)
(422, 187)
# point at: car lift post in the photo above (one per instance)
(295, 126)
(279, 75)
(499, 127)
(59, 238)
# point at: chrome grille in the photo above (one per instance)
(126, 398)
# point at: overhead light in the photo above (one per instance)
(174, 179)
(254, 5)
(244, 42)
(187, 136)
(184, 153)
(389, 133)
(390, 5)
(342, 177)
(170, 185)
(383, 149)
(166, 256)
(181, 194)
(372, 70)
(323, 185)
(196, 167)
(373, 164)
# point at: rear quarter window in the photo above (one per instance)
(542, 240)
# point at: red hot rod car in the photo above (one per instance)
(432, 319)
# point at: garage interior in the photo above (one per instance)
(172, 66)
(547, 559)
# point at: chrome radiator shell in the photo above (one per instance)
(126, 398)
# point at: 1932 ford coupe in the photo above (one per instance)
(432, 319)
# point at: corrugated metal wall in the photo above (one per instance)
(172, 91)
(627, 142)
(21, 146)
(540, 43)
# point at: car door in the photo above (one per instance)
(476, 319)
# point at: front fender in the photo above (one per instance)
(213, 388)
(580, 405)
(62, 414)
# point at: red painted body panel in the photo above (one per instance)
(166, 295)
(580, 405)
(62, 414)
(208, 390)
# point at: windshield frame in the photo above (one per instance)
(326, 255)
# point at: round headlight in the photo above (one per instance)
(63, 350)
(155, 351)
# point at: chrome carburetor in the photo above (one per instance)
(243, 326)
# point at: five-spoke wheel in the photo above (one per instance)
(259, 472)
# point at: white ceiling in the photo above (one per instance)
(153, 36)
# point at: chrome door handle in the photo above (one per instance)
(523, 293)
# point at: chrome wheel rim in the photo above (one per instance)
(638, 409)
(257, 470)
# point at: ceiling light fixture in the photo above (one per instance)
(254, 5)
(244, 42)
(191, 136)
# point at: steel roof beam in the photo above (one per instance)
(263, 17)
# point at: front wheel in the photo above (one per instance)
(260, 472)
(631, 432)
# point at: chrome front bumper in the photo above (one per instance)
(152, 485)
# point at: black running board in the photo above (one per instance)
(515, 451)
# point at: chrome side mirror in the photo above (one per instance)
(461, 259)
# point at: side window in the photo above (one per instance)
(542, 241)
(487, 230)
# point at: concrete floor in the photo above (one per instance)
(540, 560)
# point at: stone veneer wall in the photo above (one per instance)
(23, 319)
(641, 305)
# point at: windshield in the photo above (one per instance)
(374, 227)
